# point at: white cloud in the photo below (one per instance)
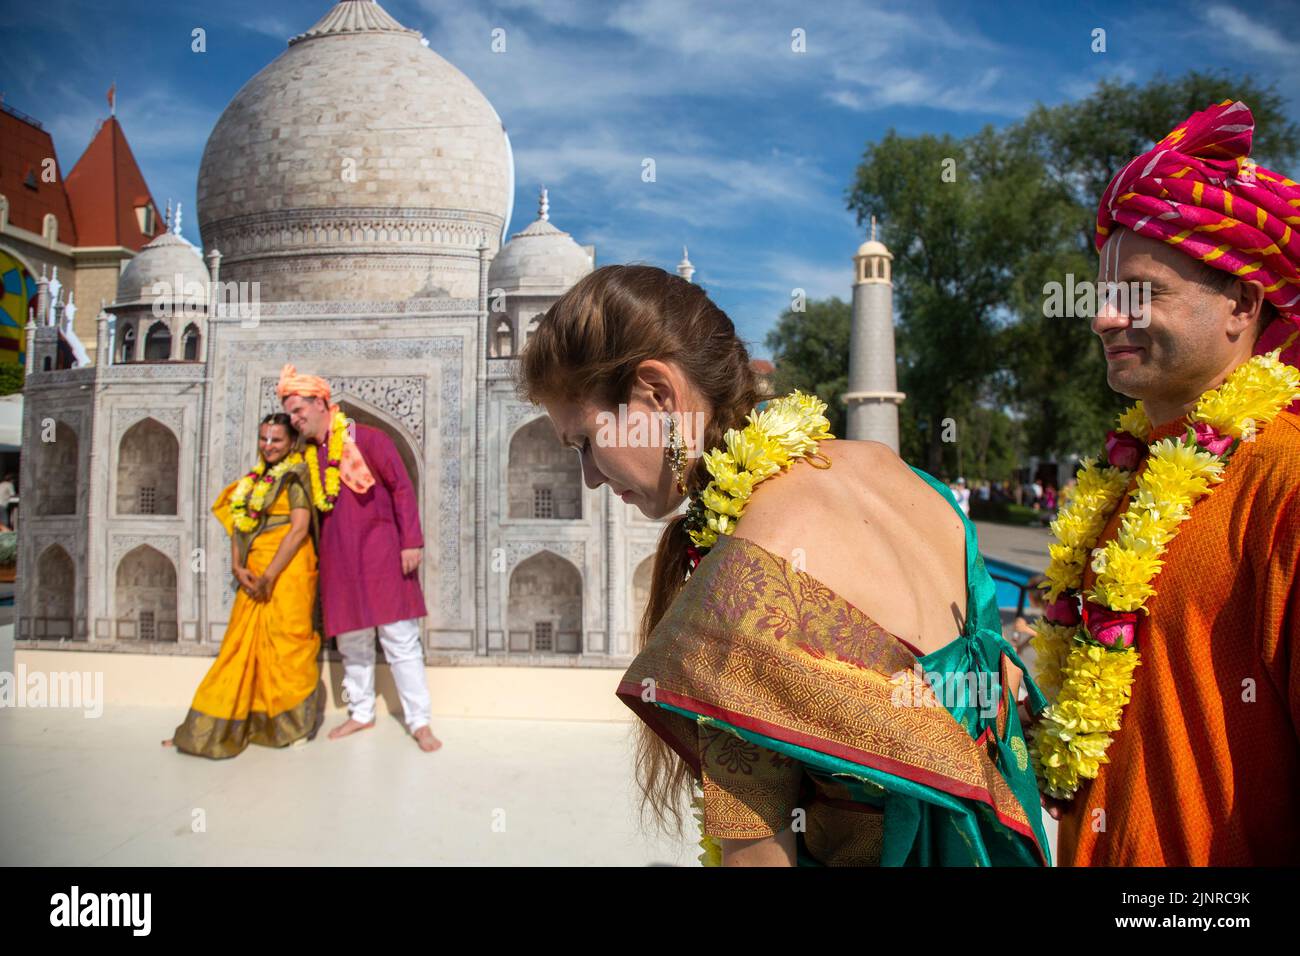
(276, 27)
(905, 87)
(1081, 87)
(633, 56)
(1258, 37)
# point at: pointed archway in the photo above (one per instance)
(543, 478)
(57, 472)
(55, 602)
(145, 596)
(545, 610)
(148, 469)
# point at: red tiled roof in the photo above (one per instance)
(105, 187)
(24, 147)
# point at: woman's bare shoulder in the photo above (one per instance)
(805, 500)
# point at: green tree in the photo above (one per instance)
(810, 350)
(11, 379)
(960, 216)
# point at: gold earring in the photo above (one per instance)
(676, 455)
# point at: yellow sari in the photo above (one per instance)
(264, 686)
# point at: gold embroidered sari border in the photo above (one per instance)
(203, 735)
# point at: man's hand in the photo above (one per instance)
(410, 560)
(1055, 808)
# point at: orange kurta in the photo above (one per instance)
(1205, 769)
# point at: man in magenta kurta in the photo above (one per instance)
(364, 586)
(370, 548)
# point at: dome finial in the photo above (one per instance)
(355, 17)
(544, 207)
(176, 226)
(873, 228)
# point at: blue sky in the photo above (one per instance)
(754, 144)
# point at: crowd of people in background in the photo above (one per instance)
(1043, 497)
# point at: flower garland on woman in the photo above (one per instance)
(776, 436)
(248, 502)
(1086, 643)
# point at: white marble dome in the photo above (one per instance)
(541, 259)
(161, 261)
(358, 165)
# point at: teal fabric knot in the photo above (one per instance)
(969, 677)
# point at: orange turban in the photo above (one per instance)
(291, 383)
(353, 470)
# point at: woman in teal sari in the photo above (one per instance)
(822, 655)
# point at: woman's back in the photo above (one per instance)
(873, 532)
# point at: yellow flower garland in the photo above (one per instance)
(324, 498)
(250, 494)
(788, 429)
(1088, 681)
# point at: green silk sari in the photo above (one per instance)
(789, 704)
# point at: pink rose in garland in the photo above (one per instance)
(1124, 451)
(1063, 611)
(1114, 629)
(1211, 439)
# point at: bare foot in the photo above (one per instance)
(427, 741)
(169, 742)
(349, 726)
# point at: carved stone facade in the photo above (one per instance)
(379, 284)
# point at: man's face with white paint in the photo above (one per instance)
(1169, 348)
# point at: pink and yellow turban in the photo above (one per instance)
(353, 470)
(1198, 190)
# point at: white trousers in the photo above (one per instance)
(405, 656)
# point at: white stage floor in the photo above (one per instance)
(77, 791)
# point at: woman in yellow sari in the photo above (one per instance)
(264, 686)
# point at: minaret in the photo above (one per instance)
(684, 268)
(873, 397)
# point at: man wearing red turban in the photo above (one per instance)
(370, 547)
(1205, 766)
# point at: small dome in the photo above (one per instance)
(540, 259)
(160, 262)
(873, 247)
